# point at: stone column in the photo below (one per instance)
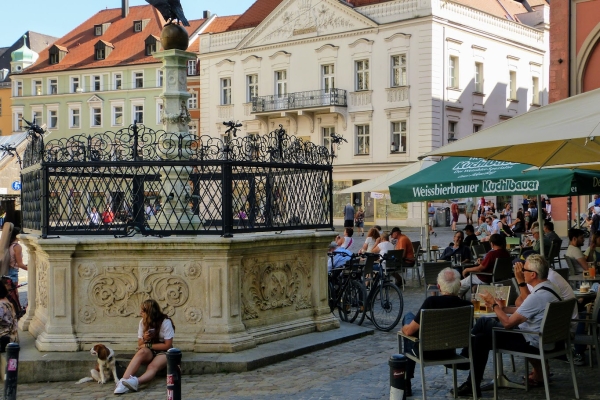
(176, 214)
(52, 323)
(224, 330)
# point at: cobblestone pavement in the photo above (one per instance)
(353, 370)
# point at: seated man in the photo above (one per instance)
(498, 243)
(384, 245)
(337, 256)
(576, 240)
(528, 316)
(403, 242)
(448, 281)
(457, 249)
(536, 244)
(470, 236)
(549, 231)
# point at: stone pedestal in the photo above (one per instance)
(175, 118)
(223, 294)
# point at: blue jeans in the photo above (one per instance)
(408, 346)
(13, 273)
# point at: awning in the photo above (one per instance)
(460, 177)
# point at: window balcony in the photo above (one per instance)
(299, 100)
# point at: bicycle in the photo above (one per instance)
(385, 303)
(347, 293)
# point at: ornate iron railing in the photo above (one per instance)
(160, 183)
(299, 100)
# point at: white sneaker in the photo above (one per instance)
(121, 389)
(131, 383)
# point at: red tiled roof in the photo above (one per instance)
(255, 14)
(221, 24)
(129, 46)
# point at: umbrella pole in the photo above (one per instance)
(541, 226)
(425, 215)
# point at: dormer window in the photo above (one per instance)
(102, 49)
(152, 45)
(139, 25)
(57, 53)
(100, 30)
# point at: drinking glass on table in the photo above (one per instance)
(500, 294)
(476, 300)
(457, 260)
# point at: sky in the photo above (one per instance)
(59, 17)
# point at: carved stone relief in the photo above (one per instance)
(119, 291)
(310, 16)
(271, 284)
(42, 283)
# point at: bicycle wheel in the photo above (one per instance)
(333, 306)
(353, 301)
(386, 307)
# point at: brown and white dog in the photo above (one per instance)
(106, 365)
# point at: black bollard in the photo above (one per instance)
(174, 374)
(397, 365)
(12, 371)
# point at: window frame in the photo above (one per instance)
(453, 72)
(400, 79)
(159, 111)
(51, 85)
(512, 85)
(362, 74)
(135, 79)
(35, 84)
(479, 77)
(93, 82)
(37, 110)
(49, 111)
(117, 77)
(225, 85)
(72, 108)
(93, 114)
(535, 91)
(192, 67)
(72, 82)
(192, 102)
(326, 132)
(358, 135)
(113, 114)
(159, 77)
(327, 78)
(452, 125)
(281, 82)
(251, 86)
(134, 112)
(401, 132)
(18, 89)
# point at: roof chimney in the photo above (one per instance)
(206, 14)
(124, 8)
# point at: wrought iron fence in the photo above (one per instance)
(297, 100)
(160, 183)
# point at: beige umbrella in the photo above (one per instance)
(565, 132)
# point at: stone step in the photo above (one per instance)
(36, 366)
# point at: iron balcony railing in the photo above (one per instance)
(299, 100)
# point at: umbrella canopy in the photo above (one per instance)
(381, 183)
(565, 132)
(458, 177)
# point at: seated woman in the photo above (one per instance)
(155, 337)
(372, 240)
(518, 225)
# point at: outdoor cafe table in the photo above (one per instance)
(581, 278)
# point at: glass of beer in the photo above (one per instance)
(476, 302)
(592, 272)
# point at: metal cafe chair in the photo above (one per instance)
(555, 332)
(430, 274)
(591, 337)
(455, 323)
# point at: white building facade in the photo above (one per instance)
(396, 79)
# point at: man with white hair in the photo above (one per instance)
(527, 317)
(338, 256)
(448, 281)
